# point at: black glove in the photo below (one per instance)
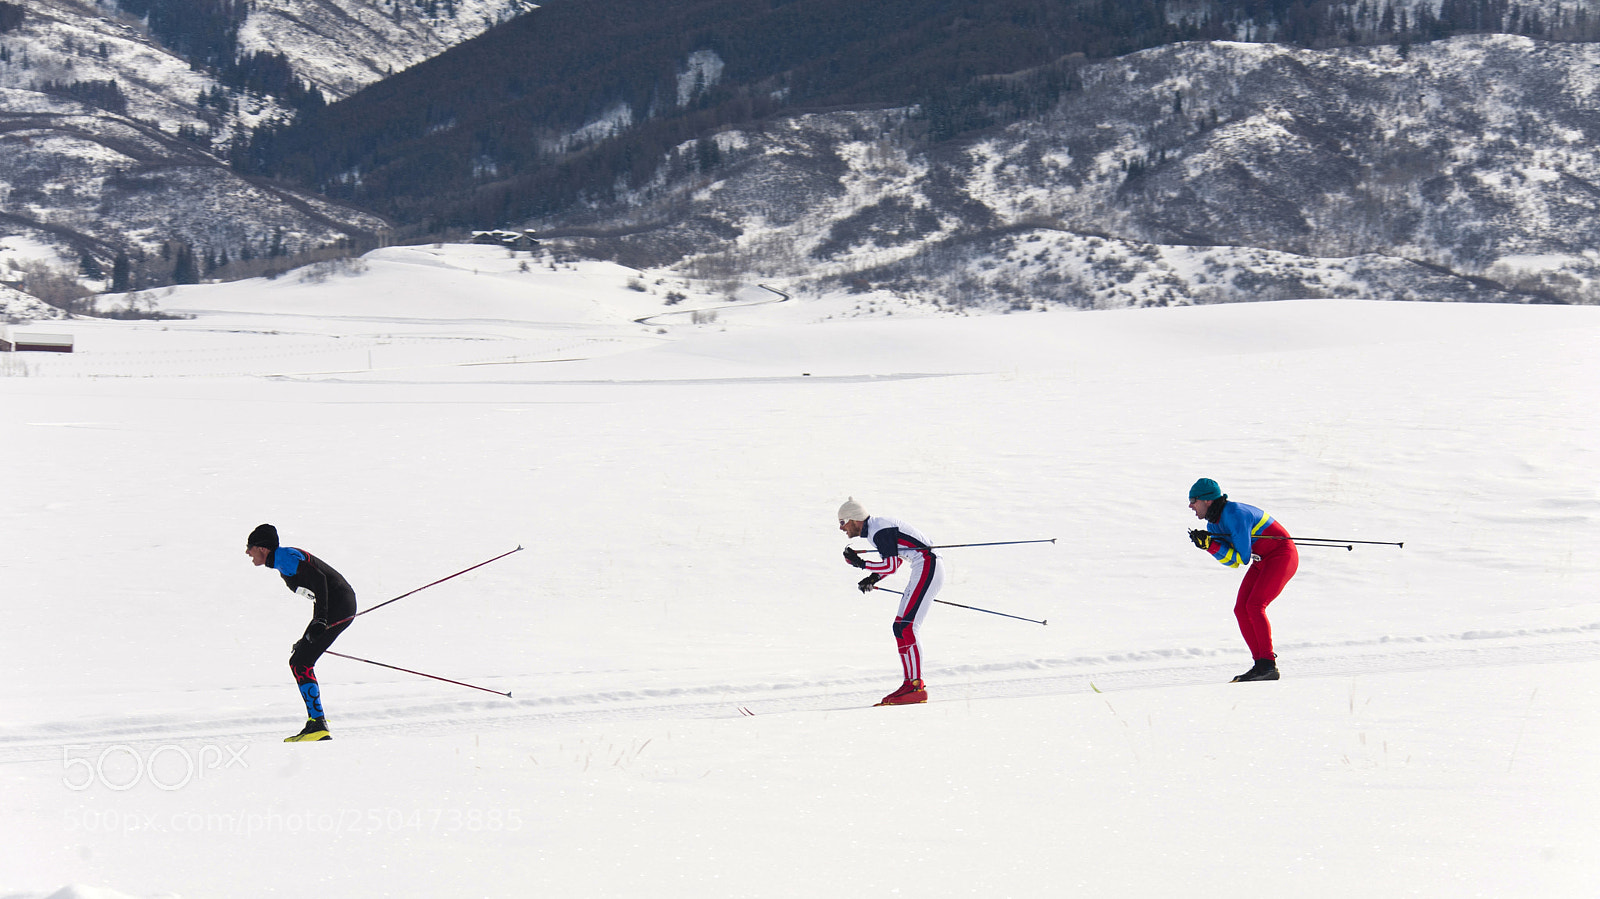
(1201, 539)
(316, 628)
(868, 582)
(853, 557)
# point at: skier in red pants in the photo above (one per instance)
(1235, 535)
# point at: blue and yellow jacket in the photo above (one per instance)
(1233, 534)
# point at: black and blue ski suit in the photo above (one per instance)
(333, 605)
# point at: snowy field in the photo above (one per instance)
(690, 667)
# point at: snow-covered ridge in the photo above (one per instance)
(139, 168)
(1212, 171)
(342, 46)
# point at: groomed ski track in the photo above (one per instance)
(1107, 674)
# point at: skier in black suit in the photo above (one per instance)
(333, 605)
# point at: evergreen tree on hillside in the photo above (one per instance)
(185, 268)
(205, 32)
(121, 273)
(106, 94)
(11, 16)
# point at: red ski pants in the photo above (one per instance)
(1263, 581)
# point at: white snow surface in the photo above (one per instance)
(691, 668)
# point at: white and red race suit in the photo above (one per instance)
(900, 544)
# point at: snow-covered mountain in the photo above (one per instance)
(342, 46)
(112, 144)
(1197, 172)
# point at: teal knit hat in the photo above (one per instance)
(1205, 488)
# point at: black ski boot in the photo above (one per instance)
(1265, 669)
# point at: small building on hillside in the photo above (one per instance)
(511, 240)
(36, 343)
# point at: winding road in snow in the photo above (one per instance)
(782, 298)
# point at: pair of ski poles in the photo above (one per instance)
(1329, 542)
(403, 596)
(975, 608)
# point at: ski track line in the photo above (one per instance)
(48, 742)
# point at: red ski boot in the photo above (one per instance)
(910, 693)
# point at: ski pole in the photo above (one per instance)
(1335, 541)
(1001, 543)
(418, 673)
(1304, 541)
(973, 608)
(422, 588)
(1343, 546)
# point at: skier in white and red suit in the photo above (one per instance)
(898, 544)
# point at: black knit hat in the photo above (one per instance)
(265, 535)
